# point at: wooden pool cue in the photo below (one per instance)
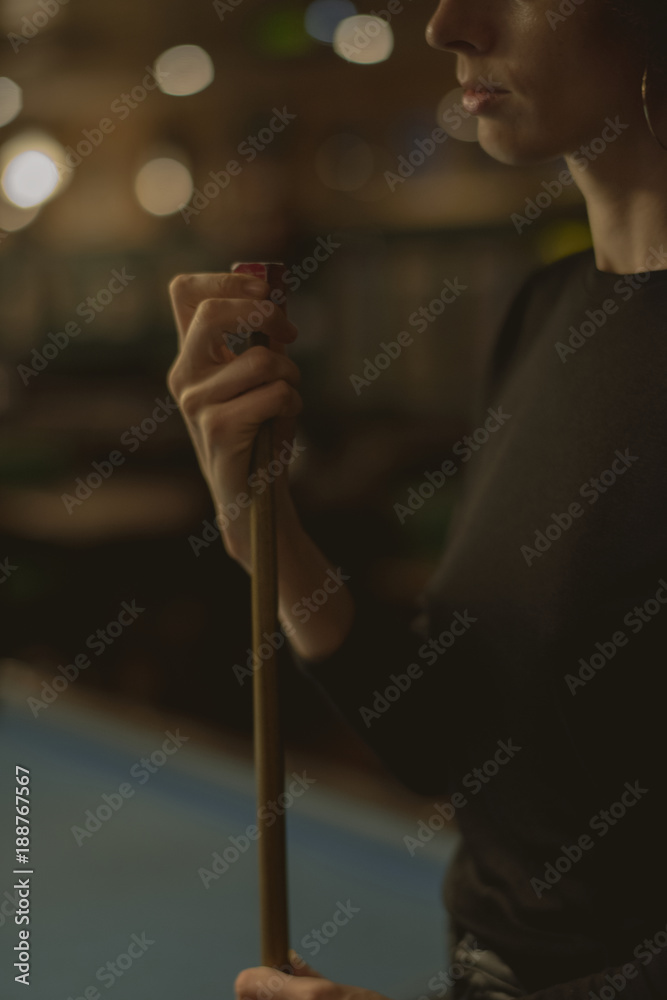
(268, 743)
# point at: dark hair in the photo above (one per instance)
(647, 23)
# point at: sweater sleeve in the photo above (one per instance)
(384, 680)
(640, 978)
(379, 683)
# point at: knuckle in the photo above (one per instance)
(286, 400)
(214, 422)
(320, 989)
(190, 402)
(269, 309)
(173, 380)
(283, 391)
(179, 284)
(261, 361)
(209, 310)
(240, 982)
(295, 370)
(225, 283)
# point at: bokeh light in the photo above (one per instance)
(33, 177)
(560, 239)
(13, 218)
(324, 16)
(364, 39)
(344, 162)
(454, 119)
(280, 31)
(11, 100)
(163, 186)
(30, 178)
(14, 13)
(184, 70)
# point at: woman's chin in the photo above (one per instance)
(499, 142)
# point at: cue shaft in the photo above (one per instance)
(268, 741)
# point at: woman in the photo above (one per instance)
(533, 667)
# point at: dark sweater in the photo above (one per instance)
(559, 534)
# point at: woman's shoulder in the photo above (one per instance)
(534, 300)
(550, 280)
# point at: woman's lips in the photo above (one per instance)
(476, 101)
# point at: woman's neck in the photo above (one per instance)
(625, 189)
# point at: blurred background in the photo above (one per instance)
(139, 141)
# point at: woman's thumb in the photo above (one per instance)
(300, 966)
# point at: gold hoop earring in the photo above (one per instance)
(646, 111)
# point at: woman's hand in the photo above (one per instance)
(264, 983)
(224, 398)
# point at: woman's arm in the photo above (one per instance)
(643, 978)
(303, 570)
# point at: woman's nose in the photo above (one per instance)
(455, 26)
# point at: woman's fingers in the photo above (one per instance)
(300, 966)
(255, 367)
(262, 981)
(188, 290)
(221, 328)
(226, 389)
(240, 417)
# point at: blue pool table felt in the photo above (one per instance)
(139, 873)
